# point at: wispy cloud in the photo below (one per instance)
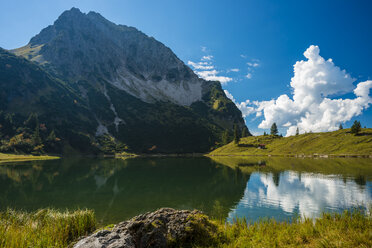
(213, 76)
(200, 65)
(206, 70)
(253, 64)
(249, 75)
(207, 58)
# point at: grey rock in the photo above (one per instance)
(153, 229)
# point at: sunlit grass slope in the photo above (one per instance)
(340, 142)
(17, 157)
(44, 228)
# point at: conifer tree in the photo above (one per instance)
(225, 137)
(52, 136)
(340, 127)
(297, 131)
(236, 135)
(36, 135)
(274, 129)
(245, 132)
(356, 127)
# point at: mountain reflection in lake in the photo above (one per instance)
(222, 187)
(119, 189)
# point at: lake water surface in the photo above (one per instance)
(223, 187)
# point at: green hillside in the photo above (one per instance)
(340, 142)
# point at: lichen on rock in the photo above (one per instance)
(165, 227)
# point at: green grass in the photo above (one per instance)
(50, 228)
(349, 229)
(44, 228)
(125, 155)
(17, 157)
(337, 143)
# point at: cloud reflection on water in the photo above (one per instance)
(308, 194)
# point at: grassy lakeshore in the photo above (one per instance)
(359, 168)
(18, 158)
(349, 229)
(337, 143)
(44, 228)
(50, 228)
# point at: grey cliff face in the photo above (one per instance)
(89, 47)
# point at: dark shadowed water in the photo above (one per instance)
(222, 187)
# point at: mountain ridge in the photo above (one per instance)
(135, 90)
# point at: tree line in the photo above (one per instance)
(355, 129)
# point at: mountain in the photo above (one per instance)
(30, 96)
(125, 88)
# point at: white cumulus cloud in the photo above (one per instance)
(312, 107)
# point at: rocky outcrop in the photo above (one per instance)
(88, 47)
(165, 227)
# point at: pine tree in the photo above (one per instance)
(225, 137)
(274, 129)
(36, 135)
(356, 127)
(297, 131)
(265, 133)
(31, 121)
(245, 132)
(236, 135)
(340, 127)
(52, 136)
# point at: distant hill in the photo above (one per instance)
(340, 142)
(103, 87)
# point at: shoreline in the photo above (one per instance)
(8, 158)
(293, 155)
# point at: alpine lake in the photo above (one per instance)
(222, 187)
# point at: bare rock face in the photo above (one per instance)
(88, 47)
(165, 227)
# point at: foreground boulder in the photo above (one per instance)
(165, 227)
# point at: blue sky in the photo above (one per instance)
(272, 34)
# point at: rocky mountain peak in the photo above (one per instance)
(80, 45)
